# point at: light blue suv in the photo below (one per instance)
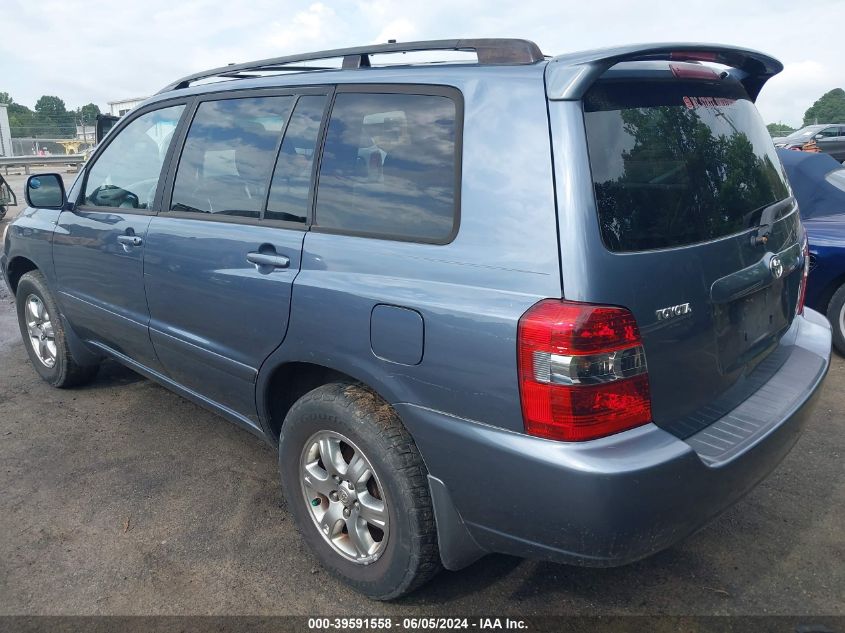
(550, 307)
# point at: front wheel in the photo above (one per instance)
(836, 316)
(44, 334)
(358, 491)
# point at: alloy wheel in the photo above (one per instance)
(344, 497)
(39, 326)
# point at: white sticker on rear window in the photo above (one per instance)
(707, 102)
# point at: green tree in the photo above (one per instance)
(779, 129)
(829, 108)
(22, 121)
(54, 118)
(5, 98)
(88, 114)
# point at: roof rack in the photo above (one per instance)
(489, 51)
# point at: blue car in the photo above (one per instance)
(818, 182)
(546, 307)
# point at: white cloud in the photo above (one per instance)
(315, 23)
(400, 29)
(788, 95)
(134, 47)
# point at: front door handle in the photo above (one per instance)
(273, 260)
(130, 240)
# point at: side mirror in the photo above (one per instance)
(818, 136)
(46, 191)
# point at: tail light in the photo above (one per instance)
(693, 71)
(805, 273)
(582, 371)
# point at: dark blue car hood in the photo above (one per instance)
(806, 172)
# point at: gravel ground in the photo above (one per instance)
(123, 498)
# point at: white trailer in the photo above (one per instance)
(5, 132)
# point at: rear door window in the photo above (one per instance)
(291, 186)
(678, 162)
(389, 166)
(228, 156)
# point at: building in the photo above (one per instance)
(5, 132)
(121, 107)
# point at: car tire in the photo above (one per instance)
(836, 316)
(349, 422)
(44, 334)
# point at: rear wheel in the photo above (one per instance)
(358, 491)
(836, 316)
(44, 335)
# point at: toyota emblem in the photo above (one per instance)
(776, 266)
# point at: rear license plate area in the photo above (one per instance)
(748, 327)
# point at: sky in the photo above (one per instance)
(105, 50)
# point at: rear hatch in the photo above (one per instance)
(700, 237)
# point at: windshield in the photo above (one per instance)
(678, 162)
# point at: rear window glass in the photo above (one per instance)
(388, 166)
(676, 163)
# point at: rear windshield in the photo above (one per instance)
(678, 162)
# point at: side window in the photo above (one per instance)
(388, 166)
(292, 178)
(126, 174)
(228, 155)
(829, 132)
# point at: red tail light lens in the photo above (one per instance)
(582, 371)
(805, 273)
(693, 71)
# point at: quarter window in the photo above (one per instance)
(388, 166)
(228, 156)
(126, 174)
(289, 191)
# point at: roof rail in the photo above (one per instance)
(569, 76)
(489, 51)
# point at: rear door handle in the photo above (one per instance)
(268, 259)
(130, 240)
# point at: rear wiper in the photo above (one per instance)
(769, 214)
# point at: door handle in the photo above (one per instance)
(268, 259)
(130, 240)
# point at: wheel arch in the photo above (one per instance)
(830, 289)
(280, 386)
(18, 266)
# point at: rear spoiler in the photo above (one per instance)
(568, 77)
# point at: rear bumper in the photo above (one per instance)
(614, 500)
